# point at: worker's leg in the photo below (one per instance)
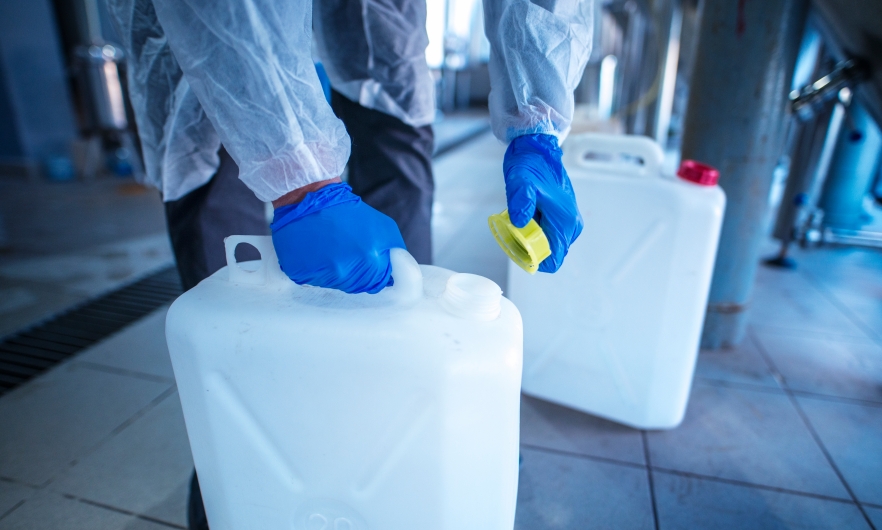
(197, 225)
(390, 168)
(375, 57)
(196, 519)
(199, 222)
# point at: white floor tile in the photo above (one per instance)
(846, 366)
(689, 504)
(851, 276)
(743, 364)
(864, 306)
(749, 436)
(12, 494)
(139, 348)
(51, 511)
(556, 427)
(785, 299)
(565, 493)
(56, 418)
(139, 468)
(853, 436)
(875, 515)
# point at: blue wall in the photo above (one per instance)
(35, 102)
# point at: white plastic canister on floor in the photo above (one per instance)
(615, 332)
(311, 409)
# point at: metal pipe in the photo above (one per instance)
(855, 238)
(805, 143)
(736, 120)
(846, 73)
(808, 145)
(665, 104)
(93, 21)
(852, 170)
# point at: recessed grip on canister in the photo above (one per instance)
(626, 155)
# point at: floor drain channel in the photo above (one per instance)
(29, 353)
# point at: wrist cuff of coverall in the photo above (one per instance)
(314, 201)
(512, 134)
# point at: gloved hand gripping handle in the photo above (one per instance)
(406, 272)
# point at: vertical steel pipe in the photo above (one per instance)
(852, 170)
(736, 121)
(805, 158)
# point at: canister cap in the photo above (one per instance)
(526, 246)
(698, 173)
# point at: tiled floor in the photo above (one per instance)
(784, 431)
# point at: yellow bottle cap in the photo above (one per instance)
(526, 246)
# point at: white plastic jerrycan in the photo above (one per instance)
(615, 332)
(312, 409)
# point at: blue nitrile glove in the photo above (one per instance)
(537, 185)
(332, 239)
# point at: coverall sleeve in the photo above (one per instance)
(250, 66)
(375, 54)
(538, 51)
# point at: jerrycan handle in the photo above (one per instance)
(577, 148)
(406, 272)
(267, 271)
(407, 277)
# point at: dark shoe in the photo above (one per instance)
(196, 519)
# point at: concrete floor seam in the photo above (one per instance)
(836, 399)
(645, 442)
(113, 433)
(844, 309)
(583, 456)
(711, 382)
(830, 460)
(752, 485)
(739, 386)
(687, 474)
(17, 482)
(829, 457)
(9, 511)
(122, 371)
(814, 434)
(122, 511)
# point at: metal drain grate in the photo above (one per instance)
(29, 353)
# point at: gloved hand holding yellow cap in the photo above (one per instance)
(526, 246)
(540, 199)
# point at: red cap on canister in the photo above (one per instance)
(698, 173)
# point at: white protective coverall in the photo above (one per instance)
(240, 73)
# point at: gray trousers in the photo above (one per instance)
(199, 221)
(390, 169)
